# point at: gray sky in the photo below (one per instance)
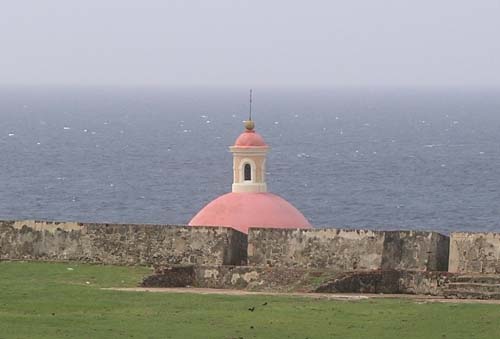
(251, 43)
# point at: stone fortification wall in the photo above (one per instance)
(289, 279)
(474, 252)
(332, 249)
(121, 244)
(348, 250)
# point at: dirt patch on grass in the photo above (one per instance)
(327, 296)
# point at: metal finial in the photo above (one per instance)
(250, 111)
(249, 124)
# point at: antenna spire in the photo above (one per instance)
(250, 111)
(249, 124)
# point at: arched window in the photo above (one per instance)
(248, 172)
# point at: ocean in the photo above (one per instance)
(350, 158)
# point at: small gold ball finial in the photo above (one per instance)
(249, 125)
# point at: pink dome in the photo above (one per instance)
(250, 138)
(243, 210)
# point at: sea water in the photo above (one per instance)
(357, 158)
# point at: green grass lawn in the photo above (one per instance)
(44, 300)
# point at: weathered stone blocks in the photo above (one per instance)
(289, 279)
(415, 250)
(388, 281)
(348, 250)
(332, 249)
(475, 252)
(122, 244)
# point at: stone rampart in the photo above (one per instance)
(474, 252)
(348, 250)
(289, 279)
(121, 244)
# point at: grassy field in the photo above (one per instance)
(43, 300)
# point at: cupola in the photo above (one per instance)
(250, 204)
(249, 161)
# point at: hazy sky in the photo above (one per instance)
(251, 43)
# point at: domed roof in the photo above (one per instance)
(250, 138)
(243, 210)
